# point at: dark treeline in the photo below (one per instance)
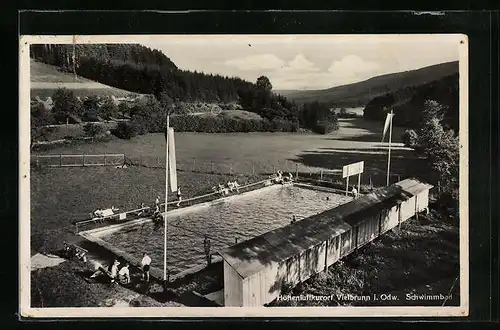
(408, 103)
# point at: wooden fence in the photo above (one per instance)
(263, 167)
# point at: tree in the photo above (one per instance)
(65, 104)
(410, 138)
(93, 130)
(108, 109)
(125, 130)
(264, 83)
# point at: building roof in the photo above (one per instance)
(251, 256)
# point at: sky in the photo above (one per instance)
(306, 62)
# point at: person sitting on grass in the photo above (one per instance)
(222, 190)
(124, 274)
(233, 185)
(279, 177)
(111, 272)
(98, 213)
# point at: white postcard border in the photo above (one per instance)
(175, 312)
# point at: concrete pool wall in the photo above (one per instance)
(96, 235)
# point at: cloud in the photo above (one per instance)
(352, 66)
(301, 63)
(256, 62)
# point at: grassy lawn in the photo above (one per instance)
(264, 152)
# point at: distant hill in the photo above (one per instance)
(408, 103)
(45, 79)
(359, 94)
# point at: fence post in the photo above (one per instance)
(296, 171)
(321, 175)
(60, 160)
(231, 169)
(253, 169)
(104, 159)
(37, 162)
(212, 166)
(158, 161)
(274, 169)
(399, 177)
(84, 160)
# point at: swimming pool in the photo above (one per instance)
(241, 218)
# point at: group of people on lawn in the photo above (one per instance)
(122, 275)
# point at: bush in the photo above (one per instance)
(92, 130)
(410, 138)
(326, 127)
(125, 130)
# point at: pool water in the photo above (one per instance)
(242, 218)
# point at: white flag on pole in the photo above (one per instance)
(387, 124)
(171, 160)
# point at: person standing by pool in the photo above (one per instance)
(354, 192)
(179, 196)
(145, 265)
(294, 219)
(206, 246)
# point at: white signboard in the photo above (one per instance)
(353, 169)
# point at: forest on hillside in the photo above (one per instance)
(138, 69)
(408, 103)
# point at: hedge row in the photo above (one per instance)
(229, 125)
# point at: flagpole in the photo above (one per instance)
(166, 200)
(389, 154)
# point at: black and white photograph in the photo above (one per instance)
(179, 175)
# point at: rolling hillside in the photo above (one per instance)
(45, 79)
(359, 94)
